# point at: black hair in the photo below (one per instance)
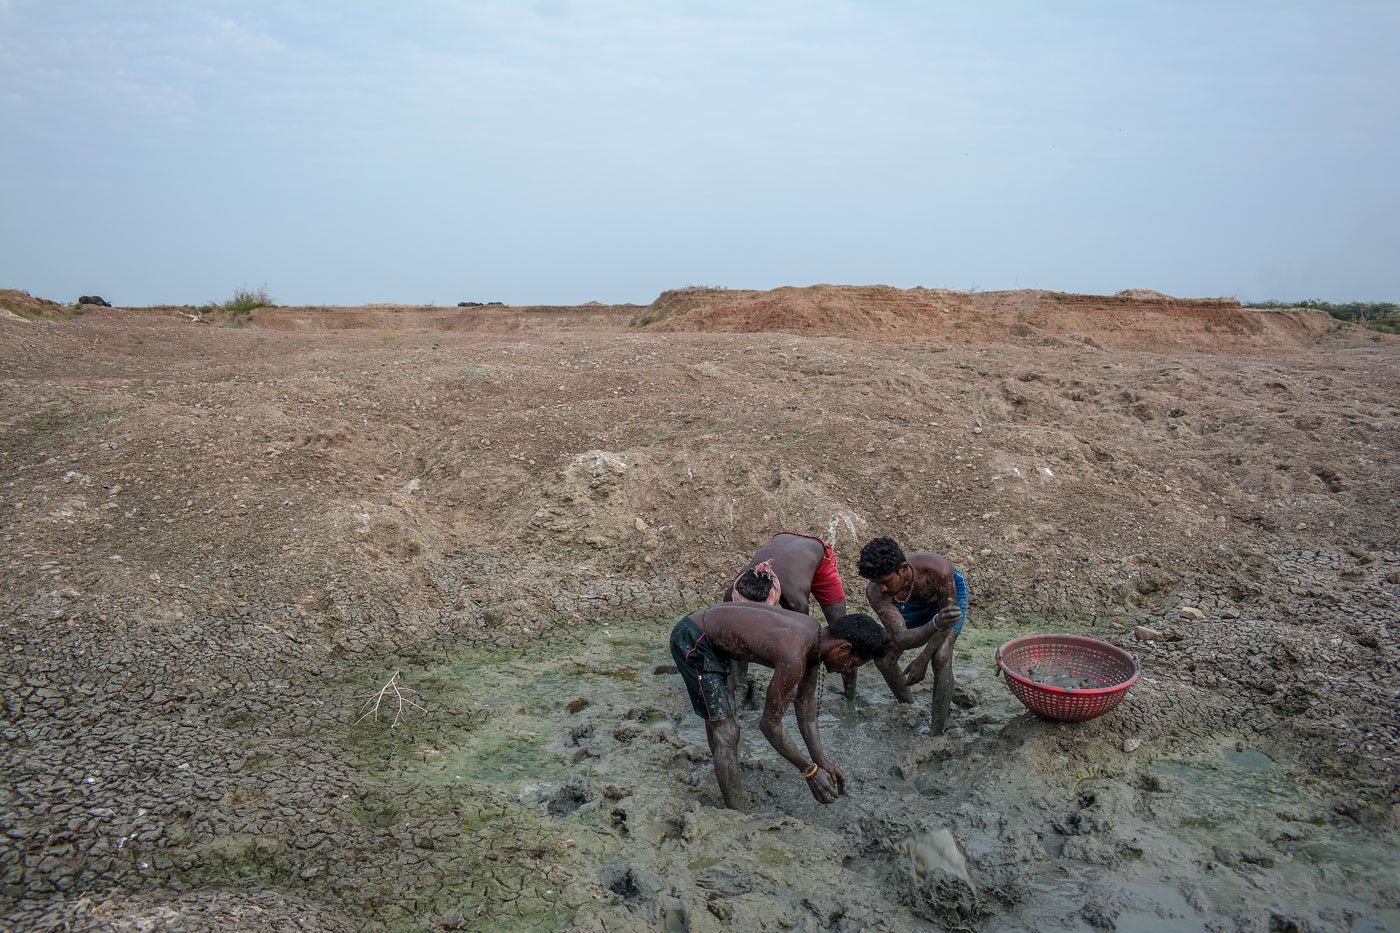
(753, 586)
(880, 558)
(867, 637)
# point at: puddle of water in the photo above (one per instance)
(1161, 909)
(1243, 808)
(1385, 921)
(1220, 791)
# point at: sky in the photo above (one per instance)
(565, 151)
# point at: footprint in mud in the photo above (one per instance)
(568, 799)
(1329, 478)
(627, 883)
(626, 732)
(648, 714)
(580, 734)
(618, 819)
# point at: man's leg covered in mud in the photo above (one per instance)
(942, 685)
(741, 686)
(724, 747)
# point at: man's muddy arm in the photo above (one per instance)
(949, 614)
(834, 611)
(888, 615)
(917, 669)
(901, 636)
(805, 706)
(927, 654)
(786, 678)
(830, 781)
(941, 636)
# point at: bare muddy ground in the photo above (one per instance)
(219, 538)
(1007, 822)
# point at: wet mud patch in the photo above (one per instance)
(580, 785)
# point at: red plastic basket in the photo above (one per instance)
(1110, 670)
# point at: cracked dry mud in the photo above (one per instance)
(218, 541)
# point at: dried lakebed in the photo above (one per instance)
(575, 787)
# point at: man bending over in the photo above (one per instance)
(705, 643)
(788, 570)
(922, 600)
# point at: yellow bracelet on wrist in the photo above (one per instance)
(811, 772)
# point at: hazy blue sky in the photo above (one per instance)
(572, 150)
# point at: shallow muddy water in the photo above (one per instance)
(591, 745)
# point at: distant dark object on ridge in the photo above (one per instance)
(480, 304)
(94, 300)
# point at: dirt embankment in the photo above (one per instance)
(385, 318)
(215, 538)
(406, 318)
(1131, 321)
(20, 305)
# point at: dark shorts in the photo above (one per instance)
(704, 670)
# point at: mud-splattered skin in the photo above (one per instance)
(924, 577)
(795, 560)
(794, 646)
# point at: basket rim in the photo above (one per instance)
(1071, 639)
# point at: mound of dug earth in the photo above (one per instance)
(15, 303)
(1134, 320)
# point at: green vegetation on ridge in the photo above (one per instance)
(1379, 315)
(243, 302)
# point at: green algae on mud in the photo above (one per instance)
(492, 717)
(486, 758)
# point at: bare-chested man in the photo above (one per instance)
(795, 646)
(922, 600)
(788, 570)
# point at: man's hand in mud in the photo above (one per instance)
(949, 616)
(835, 773)
(915, 672)
(823, 786)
